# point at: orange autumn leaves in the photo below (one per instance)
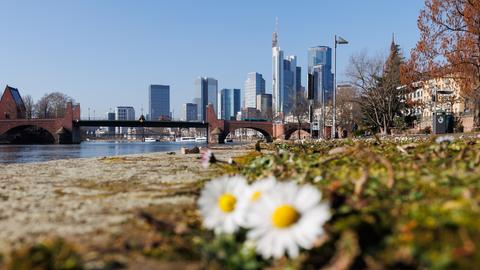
(449, 46)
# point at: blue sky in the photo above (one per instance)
(106, 53)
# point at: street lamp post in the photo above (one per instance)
(142, 122)
(338, 40)
(324, 135)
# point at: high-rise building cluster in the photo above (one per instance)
(254, 102)
(286, 88)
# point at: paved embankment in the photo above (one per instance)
(68, 198)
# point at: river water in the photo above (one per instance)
(39, 153)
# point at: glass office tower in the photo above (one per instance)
(159, 102)
(320, 66)
(254, 85)
(229, 103)
(190, 112)
(206, 93)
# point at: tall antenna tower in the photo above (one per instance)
(276, 24)
(275, 34)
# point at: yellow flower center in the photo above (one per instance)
(255, 196)
(227, 202)
(284, 216)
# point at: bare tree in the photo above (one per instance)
(43, 107)
(300, 110)
(381, 97)
(348, 107)
(52, 105)
(29, 106)
(59, 103)
(363, 73)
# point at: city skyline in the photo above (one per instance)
(59, 49)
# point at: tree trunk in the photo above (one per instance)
(476, 115)
(299, 127)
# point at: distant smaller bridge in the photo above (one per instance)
(219, 129)
(138, 123)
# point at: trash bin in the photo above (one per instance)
(443, 123)
(450, 122)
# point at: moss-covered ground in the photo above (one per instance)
(397, 204)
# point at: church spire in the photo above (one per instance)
(393, 41)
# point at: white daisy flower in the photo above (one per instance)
(444, 139)
(218, 204)
(252, 195)
(288, 217)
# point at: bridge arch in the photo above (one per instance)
(289, 132)
(265, 133)
(29, 134)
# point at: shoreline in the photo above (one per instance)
(71, 198)
(14, 154)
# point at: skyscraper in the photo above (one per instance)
(124, 113)
(298, 76)
(320, 66)
(197, 100)
(254, 85)
(206, 91)
(277, 76)
(190, 112)
(159, 101)
(229, 103)
(284, 79)
(289, 83)
(111, 117)
(264, 105)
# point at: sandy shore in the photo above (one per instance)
(75, 197)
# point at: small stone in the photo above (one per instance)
(185, 151)
(338, 150)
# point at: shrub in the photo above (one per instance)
(50, 255)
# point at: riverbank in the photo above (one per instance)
(42, 153)
(94, 198)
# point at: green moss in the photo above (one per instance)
(412, 205)
(49, 255)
